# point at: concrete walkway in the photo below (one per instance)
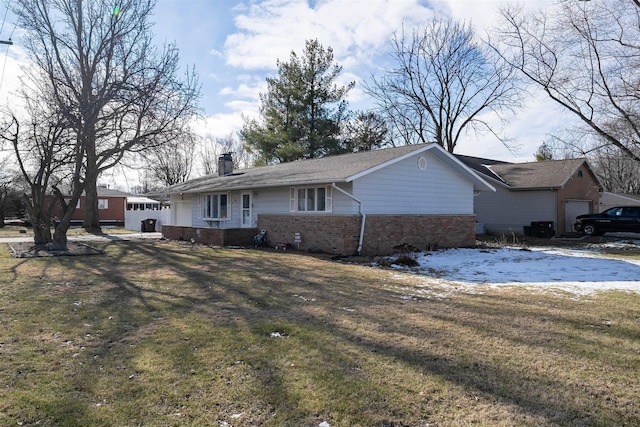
(91, 237)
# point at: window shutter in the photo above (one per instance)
(328, 198)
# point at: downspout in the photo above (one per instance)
(362, 214)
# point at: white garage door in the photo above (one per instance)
(572, 209)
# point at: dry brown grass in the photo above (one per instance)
(157, 333)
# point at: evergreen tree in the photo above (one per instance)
(302, 110)
(545, 152)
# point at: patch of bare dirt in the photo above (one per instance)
(30, 250)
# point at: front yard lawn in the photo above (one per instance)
(167, 334)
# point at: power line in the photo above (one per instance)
(5, 42)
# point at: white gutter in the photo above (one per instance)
(362, 214)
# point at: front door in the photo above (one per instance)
(247, 220)
(181, 212)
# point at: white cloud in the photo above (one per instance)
(218, 125)
(12, 62)
(359, 31)
(246, 91)
(356, 30)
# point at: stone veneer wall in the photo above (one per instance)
(338, 234)
(211, 236)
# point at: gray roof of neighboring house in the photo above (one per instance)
(549, 174)
(109, 192)
(102, 192)
(339, 168)
(631, 197)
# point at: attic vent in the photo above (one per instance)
(422, 163)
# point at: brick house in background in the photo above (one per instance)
(111, 207)
(368, 202)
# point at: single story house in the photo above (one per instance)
(610, 200)
(369, 202)
(544, 193)
(112, 207)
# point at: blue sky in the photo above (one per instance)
(234, 45)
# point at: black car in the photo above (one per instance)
(618, 219)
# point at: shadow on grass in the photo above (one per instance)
(206, 316)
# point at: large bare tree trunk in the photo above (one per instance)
(91, 217)
(59, 241)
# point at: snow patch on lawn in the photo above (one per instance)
(579, 271)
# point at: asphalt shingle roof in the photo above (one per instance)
(302, 172)
(546, 174)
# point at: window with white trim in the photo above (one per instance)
(103, 203)
(310, 199)
(215, 206)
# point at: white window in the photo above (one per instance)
(310, 199)
(215, 206)
(103, 203)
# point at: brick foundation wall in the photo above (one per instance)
(332, 234)
(383, 233)
(211, 236)
(338, 234)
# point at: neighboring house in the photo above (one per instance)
(610, 200)
(114, 207)
(553, 191)
(111, 206)
(368, 202)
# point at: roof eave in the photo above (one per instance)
(256, 186)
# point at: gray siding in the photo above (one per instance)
(403, 188)
(610, 200)
(266, 201)
(510, 211)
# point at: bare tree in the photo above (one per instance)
(444, 82)
(6, 181)
(212, 148)
(116, 91)
(170, 163)
(585, 56)
(366, 131)
(43, 150)
(616, 171)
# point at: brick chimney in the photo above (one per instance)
(225, 164)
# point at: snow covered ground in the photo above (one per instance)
(577, 270)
